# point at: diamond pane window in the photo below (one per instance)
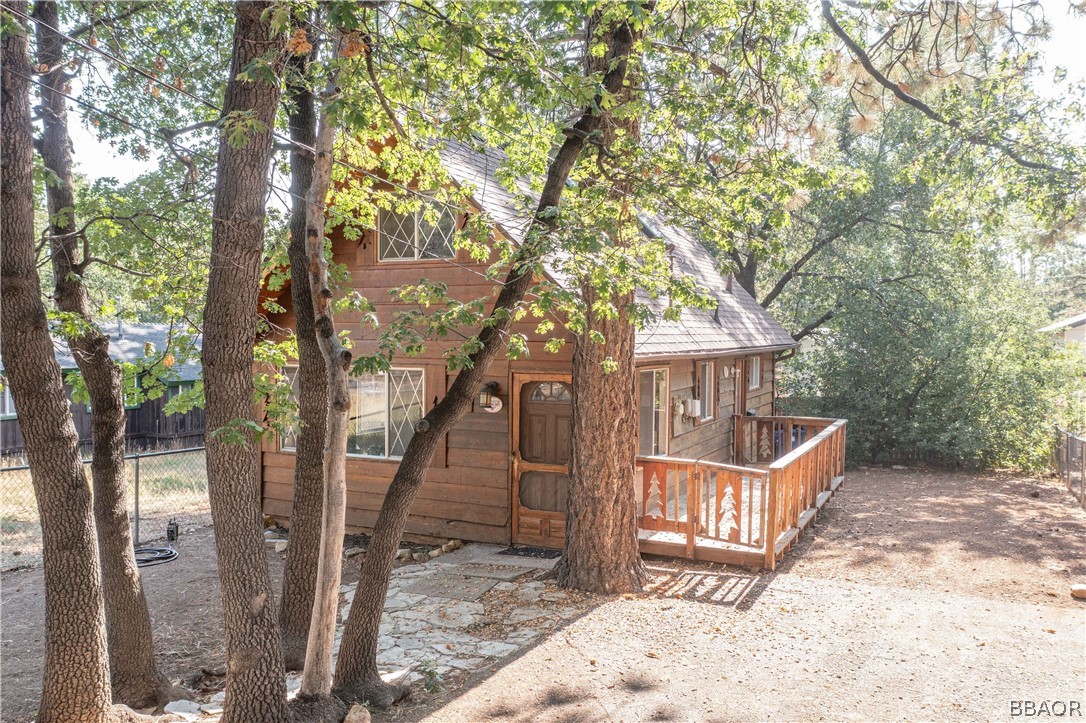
(404, 408)
(384, 411)
(288, 440)
(366, 434)
(411, 236)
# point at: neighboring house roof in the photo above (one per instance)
(738, 324)
(127, 343)
(1069, 322)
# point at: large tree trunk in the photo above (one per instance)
(602, 552)
(134, 678)
(300, 572)
(357, 676)
(76, 679)
(316, 688)
(255, 686)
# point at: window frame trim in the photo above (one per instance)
(666, 409)
(758, 359)
(14, 413)
(386, 456)
(709, 407)
(418, 257)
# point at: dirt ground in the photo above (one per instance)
(918, 595)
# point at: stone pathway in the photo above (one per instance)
(448, 616)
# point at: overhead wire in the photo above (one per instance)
(151, 77)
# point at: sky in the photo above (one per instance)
(1064, 47)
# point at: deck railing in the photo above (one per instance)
(761, 440)
(746, 515)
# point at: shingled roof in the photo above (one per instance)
(128, 343)
(738, 324)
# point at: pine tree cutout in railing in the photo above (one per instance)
(726, 515)
(765, 445)
(654, 506)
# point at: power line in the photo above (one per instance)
(203, 101)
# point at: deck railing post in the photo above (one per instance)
(770, 533)
(693, 502)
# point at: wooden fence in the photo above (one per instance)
(742, 515)
(1071, 463)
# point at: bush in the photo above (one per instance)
(953, 370)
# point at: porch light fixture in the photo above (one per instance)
(488, 397)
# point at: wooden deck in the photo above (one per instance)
(743, 515)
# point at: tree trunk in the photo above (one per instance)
(317, 676)
(357, 676)
(134, 679)
(602, 553)
(300, 571)
(76, 678)
(255, 686)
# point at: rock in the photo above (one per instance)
(219, 698)
(436, 552)
(183, 707)
(357, 714)
(493, 649)
(420, 557)
(530, 594)
(467, 663)
(898, 466)
(280, 545)
(404, 553)
(1079, 591)
(212, 708)
(452, 545)
(396, 677)
(553, 596)
(504, 586)
(352, 552)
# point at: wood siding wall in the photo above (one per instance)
(467, 490)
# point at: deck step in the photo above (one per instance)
(785, 538)
(805, 517)
(836, 482)
(823, 498)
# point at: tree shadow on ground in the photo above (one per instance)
(881, 523)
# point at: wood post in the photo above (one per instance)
(692, 505)
(770, 533)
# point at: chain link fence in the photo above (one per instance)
(1071, 463)
(162, 486)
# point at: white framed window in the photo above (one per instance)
(652, 412)
(413, 236)
(131, 387)
(384, 411)
(707, 384)
(7, 402)
(180, 388)
(754, 372)
(288, 439)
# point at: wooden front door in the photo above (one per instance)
(543, 405)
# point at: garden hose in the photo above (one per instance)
(148, 556)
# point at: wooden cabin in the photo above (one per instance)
(147, 426)
(500, 475)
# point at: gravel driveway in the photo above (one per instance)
(919, 595)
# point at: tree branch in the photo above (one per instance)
(807, 330)
(927, 110)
